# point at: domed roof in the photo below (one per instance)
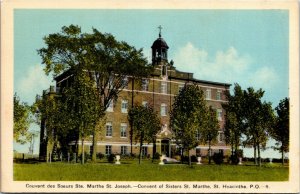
(159, 43)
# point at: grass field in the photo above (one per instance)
(147, 171)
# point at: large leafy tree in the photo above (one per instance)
(50, 113)
(82, 103)
(22, 120)
(72, 114)
(104, 59)
(233, 121)
(280, 131)
(249, 120)
(145, 123)
(188, 117)
(257, 120)
(209, 133)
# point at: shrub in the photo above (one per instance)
(234, 159)
(226, 159)
(156, 156)
(111, 158)
(128, 156)
(99, 155)
(248, 159)
(70, 154)
(177, 157)
(239, 153)
(218, 158)
(184, 158)
(194, 158)
(86, 156)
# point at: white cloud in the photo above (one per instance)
(33, 83)
(265, 76)
(224, 66)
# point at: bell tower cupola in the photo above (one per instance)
(159, 50)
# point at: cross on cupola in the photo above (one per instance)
(159, 27)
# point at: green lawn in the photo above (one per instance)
(147, 171)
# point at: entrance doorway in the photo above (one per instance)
(165, 147)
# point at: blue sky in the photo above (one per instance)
(249, 47)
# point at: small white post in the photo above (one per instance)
(118, 159)
(199, 160)
(68, 157)
(162, 160)
(240, 161)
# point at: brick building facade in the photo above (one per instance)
(158, 91)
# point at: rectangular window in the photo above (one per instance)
(123, 130)
(109, 129)
(110, 107)
(124, 106)
(180, 87)
(221, 136)
(218, 95)
(219, 114)
(144, 103)
(163, 110)
(108, 149)
(208, 94)
(163, 87)
(145, 84)
(123, 150)
(144, 151)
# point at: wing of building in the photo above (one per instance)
(159, 91)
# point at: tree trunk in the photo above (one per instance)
(259, 158)
(141, 145)
(190, 160)
(255, 158)
(232, 153)
(94, 146)
(153, 149)
(282, 155)
(82, 151)
(209, 153)
(181, 155)
(131, 137)
(76, 150)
